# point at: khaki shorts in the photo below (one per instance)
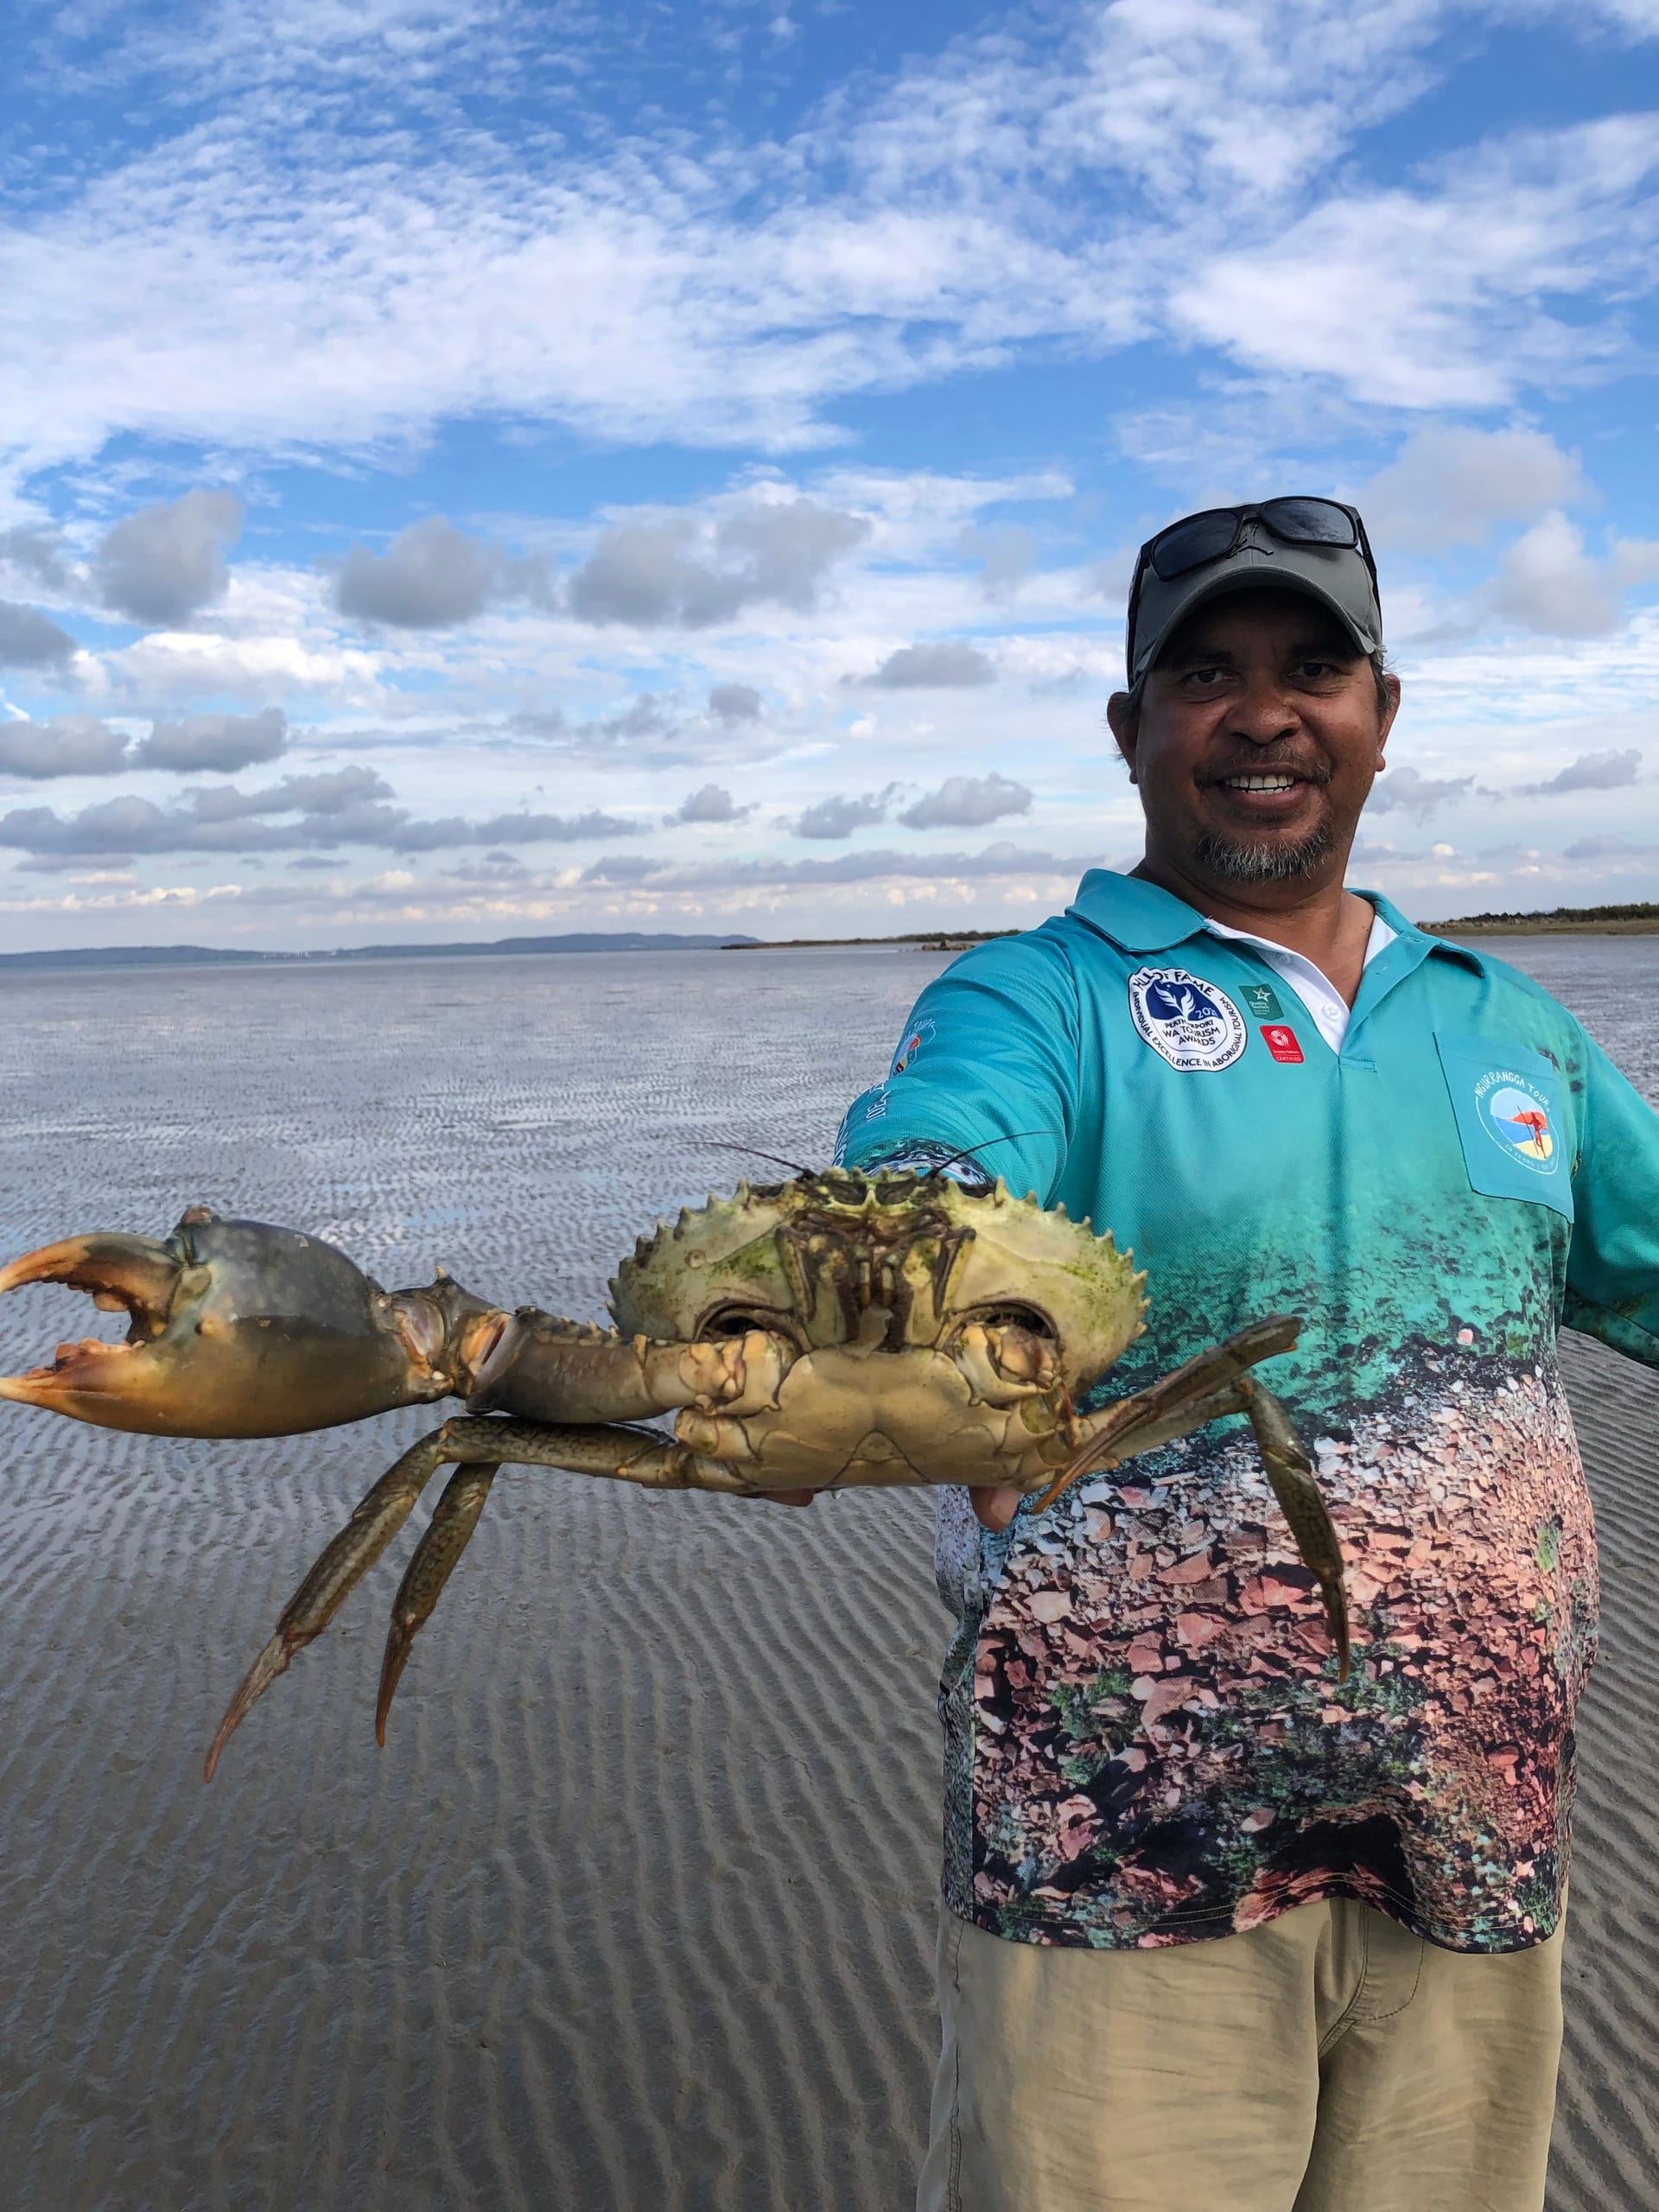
(1326, 2061)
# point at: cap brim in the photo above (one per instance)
(1252, 568)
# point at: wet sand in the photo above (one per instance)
(635, 1910)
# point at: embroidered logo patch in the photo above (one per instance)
(1513, 1116)
(1282, 1042)
(1189, 1022)
(1514, 1113)
(910, 1044)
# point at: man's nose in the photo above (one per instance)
(1264, 713)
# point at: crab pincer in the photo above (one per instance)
(237, 1329)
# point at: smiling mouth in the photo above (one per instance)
(1277, 779)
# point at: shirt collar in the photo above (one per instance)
(1138, 916)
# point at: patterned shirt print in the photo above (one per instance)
(1146, 1743)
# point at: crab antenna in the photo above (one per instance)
(794, 1166)
(1014, 1137)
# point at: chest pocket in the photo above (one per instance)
(1507, 1098)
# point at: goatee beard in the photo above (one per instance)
(1267, 859)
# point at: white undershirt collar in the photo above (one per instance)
(1320, 996)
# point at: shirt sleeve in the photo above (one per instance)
(1613, 1271)
(988, 1061)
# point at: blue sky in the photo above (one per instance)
(475, 470)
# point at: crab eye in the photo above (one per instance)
(738, 1320)
(1015, 1316)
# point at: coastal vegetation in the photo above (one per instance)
(1638, 918)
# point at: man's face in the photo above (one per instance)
(1257, 740)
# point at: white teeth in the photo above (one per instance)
(1260, 783)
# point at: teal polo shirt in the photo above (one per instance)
(1146, 1742)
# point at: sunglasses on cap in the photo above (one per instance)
(1219, 532)
(1216, 533)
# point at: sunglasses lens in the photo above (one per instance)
(1309, 521)
(1189, 544)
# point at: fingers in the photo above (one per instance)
(995, 1508)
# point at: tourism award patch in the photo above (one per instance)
(1189, 1022)
(1508, 1102)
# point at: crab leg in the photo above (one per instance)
(479, 1445)
(336, 1572)
(1217, 1383)
(436, 1557)
(1291, 1474)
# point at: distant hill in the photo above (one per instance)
(205, 956)
(1639, 919)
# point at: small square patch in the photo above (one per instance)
(1262, 1000)
(1282, 1042)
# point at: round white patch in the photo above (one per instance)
(1191, 1023)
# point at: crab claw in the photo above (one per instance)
(238, 1329)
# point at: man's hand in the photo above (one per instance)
(993, 1508)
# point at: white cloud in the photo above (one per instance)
(30, 639)
(197, 742)
(35, 554)
(80, 745)
(343, 807)
(1611, 770)
(734, 702)
(182, 665)
(1546, 582)
(1407, 790)
(677, 570)
(67, 745)
(839, 817)
(1609, 848)
(1452, 485)
(949, 665)
(165, 564)
(1434, 297)
(1002, 858)
(968, 802)
(1098, 186)
(1007, 552)
(713, 803)
(431, 575)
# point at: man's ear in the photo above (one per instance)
(1385, 720)
(1123, 719)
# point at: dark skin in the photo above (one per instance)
(1260, 682)
(1258, 685)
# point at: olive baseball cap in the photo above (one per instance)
(1312, 545)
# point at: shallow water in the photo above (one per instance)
(635, 1909)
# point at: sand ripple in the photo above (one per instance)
(635, 1910)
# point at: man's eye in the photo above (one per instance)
(1205, 678)
(1315, 670)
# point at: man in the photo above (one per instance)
(1219, 1932)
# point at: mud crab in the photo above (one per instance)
(835, 1330)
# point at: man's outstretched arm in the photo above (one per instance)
(1613, 1272)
